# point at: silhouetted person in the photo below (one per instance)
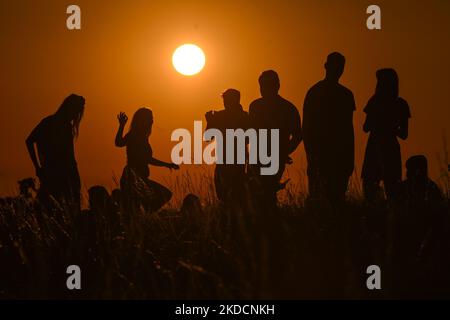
(102, 206)
(191, 210)
(191, 205)
(229, 179)
(100, 200)
(418, 187)
(418, 235)
(386, 119)
(135, 182)
(54, 160)
(27, 188)
(328, 133)
(272, 111)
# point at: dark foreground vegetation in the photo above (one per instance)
(303, 250)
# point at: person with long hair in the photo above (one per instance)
(387, 116)
(135, 184)
(51, 149)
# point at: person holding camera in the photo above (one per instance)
(229, 178)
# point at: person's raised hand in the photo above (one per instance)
(122, 117)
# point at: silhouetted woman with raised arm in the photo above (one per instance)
(386, 119)
(54, 160)
(135, 182)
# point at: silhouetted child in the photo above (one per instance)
(135, 183)
(229, 179)
(54, 160)
(272, 111)
(418, 187)
(328, 133)
(26, 201)
(100, 201)
(27, 188)
(101, 205)
(386, 119)
(191, 214)
(419, 228)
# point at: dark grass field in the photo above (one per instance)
(303, 250)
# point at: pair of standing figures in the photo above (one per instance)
(329, 135)
(327, 132)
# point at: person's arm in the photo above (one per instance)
(403, 129)
(402, 132)
(159, 163)
(367, 126)
(120, 141)
(30, 141)
(296, 134)
(308, 126)
(209, 116)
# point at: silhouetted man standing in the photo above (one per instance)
(229, 179)
(328, 133)
(271, 111)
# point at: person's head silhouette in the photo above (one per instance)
(72, 110)
(417, 168)
(231, 98)
(99, 198)
(142, 122)
(191, 206)
(387, 84)
(334, 66)
(269, 84)
(26, 187)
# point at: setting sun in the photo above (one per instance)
(188, 59)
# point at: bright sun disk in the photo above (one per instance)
(188, 59)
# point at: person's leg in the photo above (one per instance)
(332, 190)
(43, 193)
(218, 182)
(265, 198)
(314, 182)
(129, 199)
(272, 186)
(338, 188)
(160, 195)
(371, 189)
(229, 182)
(74, 191)
(238, 185)
(390, 188)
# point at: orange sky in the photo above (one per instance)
(121, 60)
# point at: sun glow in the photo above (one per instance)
(188, 59)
